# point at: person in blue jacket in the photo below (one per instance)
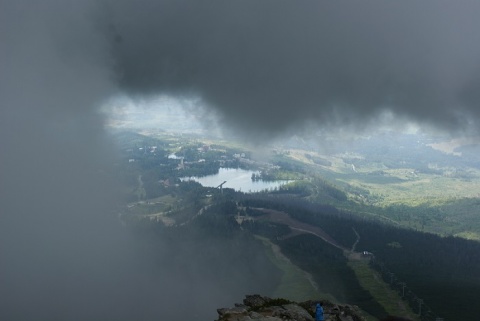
(319, 312)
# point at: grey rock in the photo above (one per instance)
(260, 308)
(255, 300)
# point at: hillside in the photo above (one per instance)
(300, 240)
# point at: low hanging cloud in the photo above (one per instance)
(266, 66)
(63, 253)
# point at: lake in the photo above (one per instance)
(238, 179)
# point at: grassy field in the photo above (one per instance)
(397, 185)
(296, 285)
(439, 202)
(373, 283)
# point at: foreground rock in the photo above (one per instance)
(261, 308)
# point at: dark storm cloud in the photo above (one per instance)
(267, 65)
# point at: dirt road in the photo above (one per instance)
(283, 218)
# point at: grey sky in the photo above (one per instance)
(269, 65)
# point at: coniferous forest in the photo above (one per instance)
(435, 275)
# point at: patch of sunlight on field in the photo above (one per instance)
(424, 189)
(402, 185)
(337, 164)
(469, 235)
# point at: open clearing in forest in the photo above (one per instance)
(296, 284)
(294, 278)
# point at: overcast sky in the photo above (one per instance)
(268, 65)
(261, 67)
(264, 66)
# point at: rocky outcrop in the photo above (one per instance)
(261, 308)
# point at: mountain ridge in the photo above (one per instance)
(262, 308)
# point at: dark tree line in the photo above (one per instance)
(443, 271)
(330, 271)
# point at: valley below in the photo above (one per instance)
(384, 232)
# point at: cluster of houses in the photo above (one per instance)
(223, 160)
